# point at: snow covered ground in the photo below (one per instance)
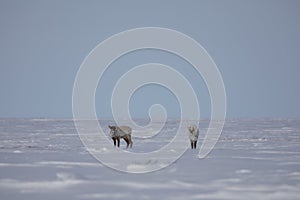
(254, 159)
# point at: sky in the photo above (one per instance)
(255, 45)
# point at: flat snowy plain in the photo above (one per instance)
(253, 159)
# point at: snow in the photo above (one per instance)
(253, 159)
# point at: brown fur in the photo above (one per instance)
(121, 132)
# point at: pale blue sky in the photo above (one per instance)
(254, 43)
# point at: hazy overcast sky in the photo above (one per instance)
(255, 45)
